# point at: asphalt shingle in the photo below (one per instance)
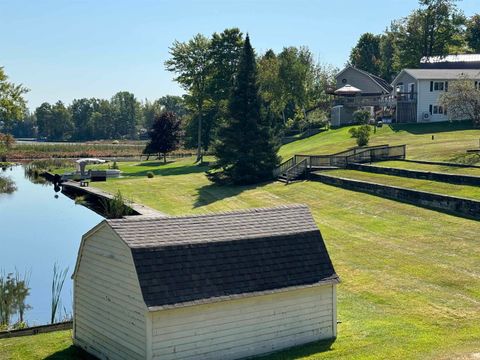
(204, 258)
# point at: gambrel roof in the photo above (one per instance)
(196, 259)
(383, 84)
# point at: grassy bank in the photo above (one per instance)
(410, 276)
(451, 141)
(430, 167)
(465, 191)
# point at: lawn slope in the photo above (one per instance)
(451, 140)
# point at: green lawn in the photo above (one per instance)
(410, 276)
(430, 167)
(465, 191)
(450, 144)
(55, 345)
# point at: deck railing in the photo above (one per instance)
(378, 154)
(296, 170)
(340, 159)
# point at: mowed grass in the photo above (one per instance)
(465, 191)
(52, 346)
(472, 171)
(410, 276)
(451, 140)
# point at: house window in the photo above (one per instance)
(438, 85)
(344, 81)
(477, 85)
(438, 109)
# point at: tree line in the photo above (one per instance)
(436, 28)
(121, 117)
(291, 84)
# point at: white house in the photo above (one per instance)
(417, 92)
(220, 286)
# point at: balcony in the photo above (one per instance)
(406, 96)
(359, 101)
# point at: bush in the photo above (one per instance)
(114, 166)
(150, 174)
(361, 116)
(362, 134)
(116, 207)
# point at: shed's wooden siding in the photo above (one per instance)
(109, 312)
(245, 327)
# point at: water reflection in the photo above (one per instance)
(40, 226)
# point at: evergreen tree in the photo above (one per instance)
(246, 149)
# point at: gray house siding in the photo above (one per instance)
(358, 79)
(405, 79)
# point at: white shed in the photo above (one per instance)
(221, 286)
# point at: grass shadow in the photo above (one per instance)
(71, 353)
(429, 128)
(211, 193)
(301, 351)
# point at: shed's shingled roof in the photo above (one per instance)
(199, 259)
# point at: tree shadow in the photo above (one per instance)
(301, 351)
(170, 171)
(435, 127)
(211, 193)
(71, 353)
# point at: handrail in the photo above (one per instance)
(294, 171)
(284, 166)
(341, 159)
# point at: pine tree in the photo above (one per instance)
(246, 149)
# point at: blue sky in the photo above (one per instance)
(63, 50)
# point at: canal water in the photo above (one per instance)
(38, 228)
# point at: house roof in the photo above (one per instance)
(450, 58)
(190, 260)
(376, 79)
(441, 74)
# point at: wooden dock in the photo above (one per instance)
(140, 209)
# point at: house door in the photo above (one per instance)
(412, 91)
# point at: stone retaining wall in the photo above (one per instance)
(444, 203)
(418, 174)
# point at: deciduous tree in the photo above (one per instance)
(190, 61)
(462, 100)
(12, 102)
(164, 135)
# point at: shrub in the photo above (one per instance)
(361, 116)
(116, 207)
(362, 134)
(114, 165)
(150, 174)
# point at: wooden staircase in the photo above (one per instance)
(299, 166)
(294, 172)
